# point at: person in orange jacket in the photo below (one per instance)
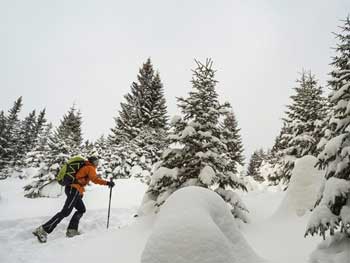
(74, 199)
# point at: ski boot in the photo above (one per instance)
(72, 232)
(41, 234)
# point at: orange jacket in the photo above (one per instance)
(84, 175)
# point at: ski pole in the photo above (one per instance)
(109, 205)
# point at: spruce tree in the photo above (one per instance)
(39, 127)
(200, 156)
(69, 134)
(156, 105)
(25, 137)
(144, 106)
(333, 212)
(38, 155)
(63, 144)
(233, 141)
(2, 133)
(307, 109)
(254, 165)
(301, 125)
(10, 134)
(141, 127)
(277, 169)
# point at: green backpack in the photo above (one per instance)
(66, 175)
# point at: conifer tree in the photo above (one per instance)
(44, 137)
(68, 134)
(301, 132)
(25, 137)
(277, 169)
(144, 106)
(156, 105)
(10, 134)
(38, 155)
(333, 212)
(65, 142)
(233, 141)
(2, 131)
(200, 157)
(254, 165)
(39, 127)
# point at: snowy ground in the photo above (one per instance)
(273, 237)
(276, 238)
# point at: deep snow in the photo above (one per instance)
(276, 239)
(19, 216)
(195, 225)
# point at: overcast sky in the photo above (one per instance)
(56, 53)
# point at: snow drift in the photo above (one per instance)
(196, 226)
(303, 188)
(335, 249)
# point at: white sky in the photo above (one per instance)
(55, 53)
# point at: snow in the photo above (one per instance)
(175, 119)
(335, 187)
(207, 175)
(332, 147)
(276, 239)
(303, 189)
(343, 90)
(335, 249)
(322, 215)
(52, 189)
(163, 172)
(188, 131)
(345, 215)
(196, 226)
(19, 216)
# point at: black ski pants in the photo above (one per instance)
(74, 200)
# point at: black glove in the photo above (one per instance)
(110, 184)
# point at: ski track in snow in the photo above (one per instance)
(19, 245)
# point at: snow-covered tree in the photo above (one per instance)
(10, 134)
(156, 105)
(2, 135)
(39, 127)
(65, 143)
(68, 135)
(301, 130)
(196, 154)
(144, 106)
(332, 212)
(38, 155)
(141, 127)
(233, 141)
(254, 165)
(26, 137)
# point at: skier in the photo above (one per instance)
(74, 194)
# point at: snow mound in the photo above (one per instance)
(196, 226)
(303, 188)
(52, 189)
(335, 249)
